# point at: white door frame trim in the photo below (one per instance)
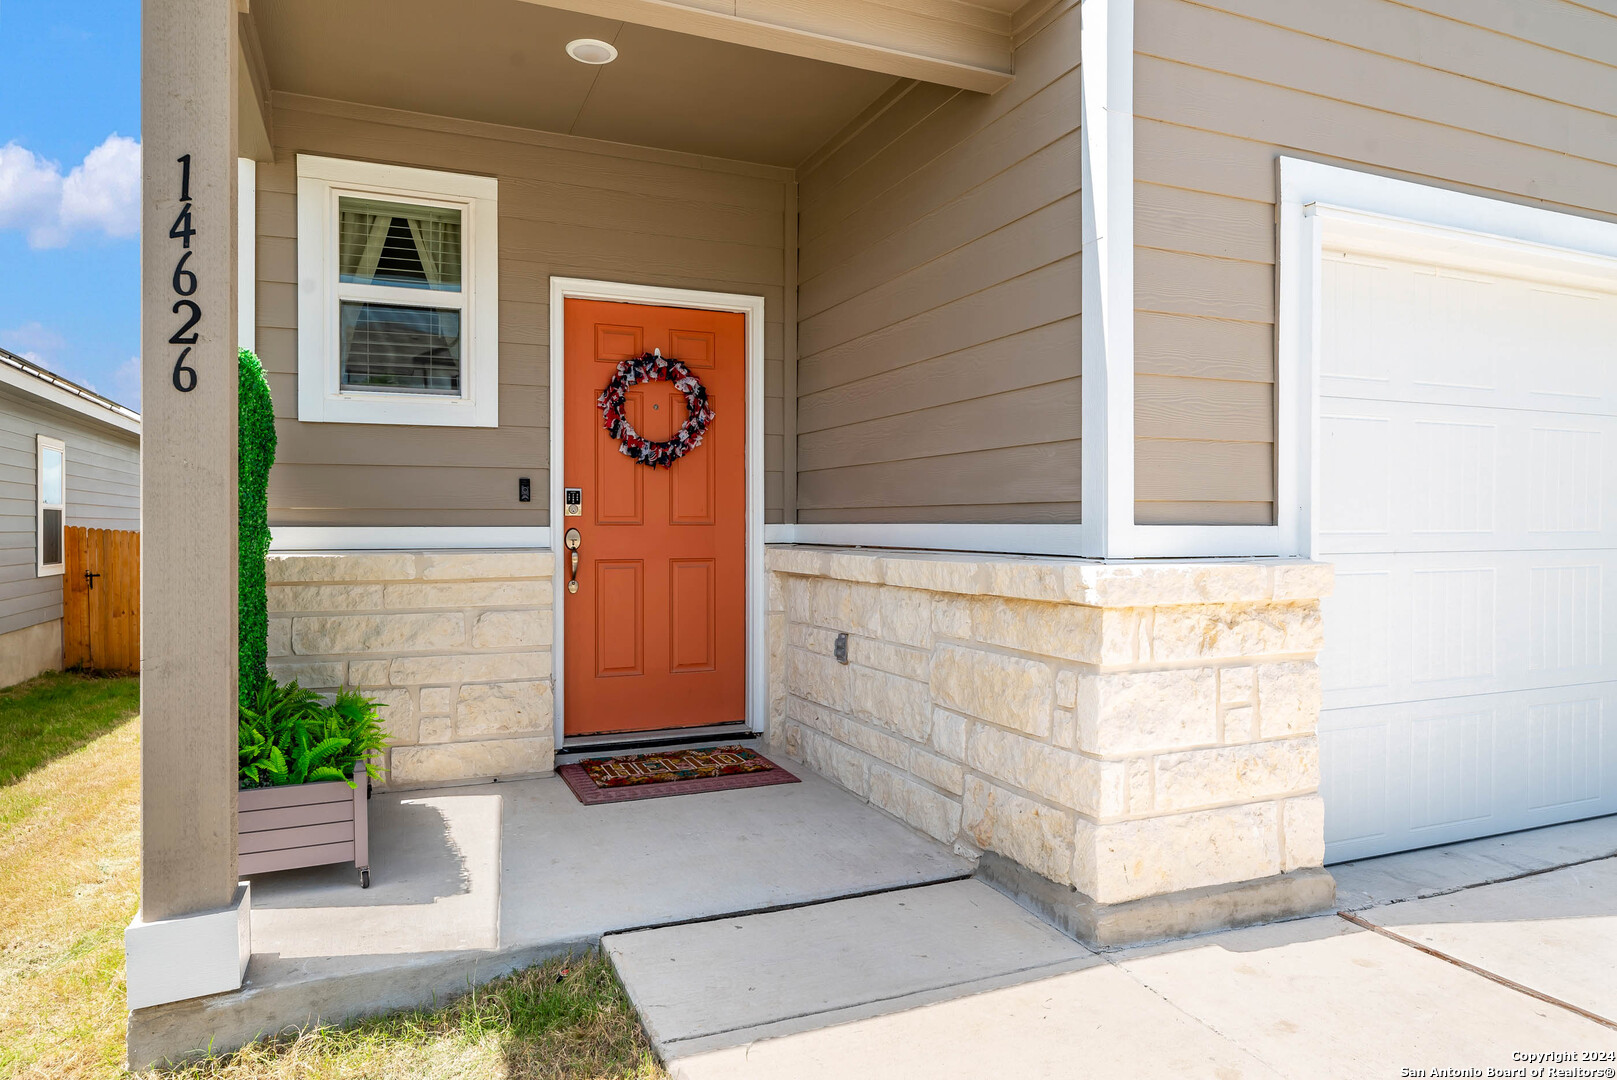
(1419, 221)
(563, 289)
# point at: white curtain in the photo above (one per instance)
(437, 241)
(361, 235)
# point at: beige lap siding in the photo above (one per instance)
(939, 325)
(1130, 731)
(457, 645)
(569, 207)
(1505, 99)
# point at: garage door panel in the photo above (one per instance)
(1407, 477)
(1465, 498)
(1470, 660)
(1413, 774)
(1400, 331)
(1418, 626)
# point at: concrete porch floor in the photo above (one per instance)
(471, 882)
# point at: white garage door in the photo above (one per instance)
(1466, 497)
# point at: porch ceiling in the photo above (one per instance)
(502, 61)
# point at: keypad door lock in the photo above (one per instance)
(573, 541)
(572, 502)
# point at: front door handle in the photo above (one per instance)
(573, 542)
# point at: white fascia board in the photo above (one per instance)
(406, 537)
(65, 396)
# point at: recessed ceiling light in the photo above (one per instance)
(591, 51)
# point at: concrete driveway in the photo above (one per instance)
(1497, 951)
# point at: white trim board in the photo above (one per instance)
(1415, 221)
(190, 956)
(405, 537)
(1109, 530)
(563, 289)
(1044, 539)
(246, 254)
(1106, 75)
(42, 443)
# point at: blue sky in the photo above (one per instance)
(69, 254)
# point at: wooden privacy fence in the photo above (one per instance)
(101, 600)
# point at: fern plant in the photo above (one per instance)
(288, 735)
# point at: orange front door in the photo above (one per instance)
(656, 633)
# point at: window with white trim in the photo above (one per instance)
(50, 466)
(398, 305)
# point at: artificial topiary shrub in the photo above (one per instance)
(255, 453)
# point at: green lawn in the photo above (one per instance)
(565, 1020)
(58, 712)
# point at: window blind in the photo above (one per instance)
(399, 348)
(387, 243)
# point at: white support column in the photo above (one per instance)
(190, 936)
(1107, 80)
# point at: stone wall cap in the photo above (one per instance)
(1065, 579)
(326, 553)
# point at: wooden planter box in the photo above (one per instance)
(283, 828)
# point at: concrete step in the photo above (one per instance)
(727, 982)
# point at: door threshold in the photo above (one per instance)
(579, 747)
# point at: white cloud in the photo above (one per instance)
(32, 341)
(104, 192)
(101, 194)
(30, 195)
(126, 383)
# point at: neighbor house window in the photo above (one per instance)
(398, 302)
(51, 466)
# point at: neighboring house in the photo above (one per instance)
(68, 456)
(1059, 351)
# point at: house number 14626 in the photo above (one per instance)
(185, 284)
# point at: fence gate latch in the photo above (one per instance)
(90, 577)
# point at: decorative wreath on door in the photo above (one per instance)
(655, 367)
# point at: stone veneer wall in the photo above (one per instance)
(1128, 730)
(456, 644)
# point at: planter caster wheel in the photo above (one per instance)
(365, 878)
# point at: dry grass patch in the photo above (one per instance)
(69, 884)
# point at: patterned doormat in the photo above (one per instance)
(677, 772)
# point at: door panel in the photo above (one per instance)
(692, 619)
(656, 634)
(620, 622)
